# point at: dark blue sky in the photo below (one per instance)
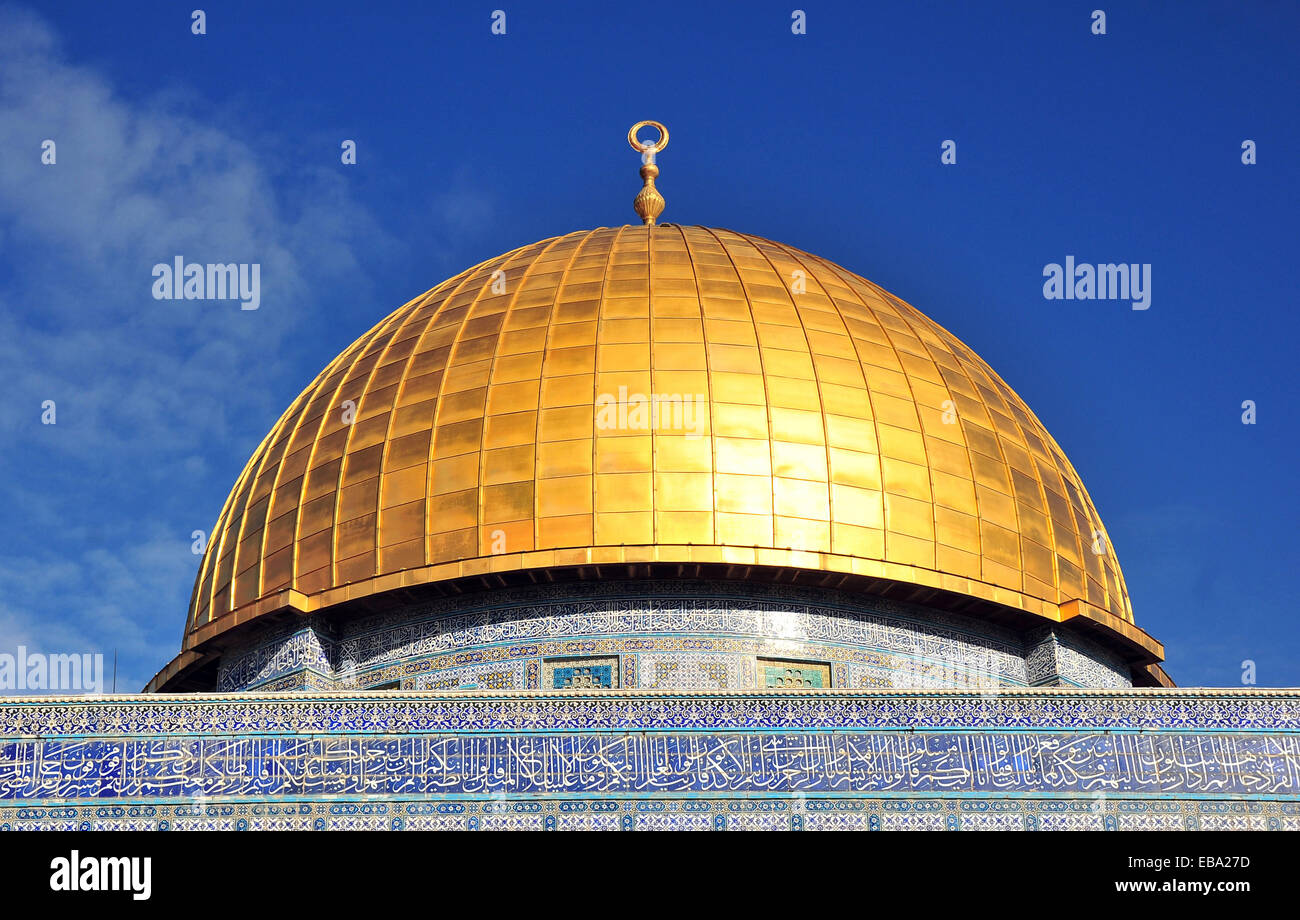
(225, 147)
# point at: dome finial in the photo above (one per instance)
(649, 203)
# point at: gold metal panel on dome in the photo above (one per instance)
(656, 393)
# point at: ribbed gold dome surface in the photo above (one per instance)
(471, 432)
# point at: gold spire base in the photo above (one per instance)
(649, 204)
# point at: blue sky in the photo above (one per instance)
(225, 147)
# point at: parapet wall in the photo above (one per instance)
(1034, 759)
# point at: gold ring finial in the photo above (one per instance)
(643, 147)
(649, 204)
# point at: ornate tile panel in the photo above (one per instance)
(760, 763)
(776, 673)
(690, 671)
(837, 821)
(759, 822)
(590, 672)
(1045, 759)
(997, 821)
(1148, 710)
(587, 822)
(868, 814)
(871, 641)
(1072, 822)
(509, 675)
(674, 822)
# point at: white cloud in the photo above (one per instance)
(154, 398)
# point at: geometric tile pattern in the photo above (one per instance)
(689, 671)
(793, 674)
(674, 822)
(583, 676)
(676, 635)
(1140, 710)
(1032, 759)
(580, 673)
(489, 676)
(339, 714)
(704, 814)
(1055, 658)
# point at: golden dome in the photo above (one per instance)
(491, 425)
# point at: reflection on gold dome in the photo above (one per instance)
(837, 429)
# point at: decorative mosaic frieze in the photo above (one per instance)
(829, 624)
(870, 641)
(1089, 666)
(588, 822)
(811, 814)
(690, 671)
(909, 763)
(1057, 659)
(1044, 759)
(1067, 709)
(285, 651)
(508, 675)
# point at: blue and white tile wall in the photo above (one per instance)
(669, 635)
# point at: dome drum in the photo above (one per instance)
(677, 631)
(1130, 653)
